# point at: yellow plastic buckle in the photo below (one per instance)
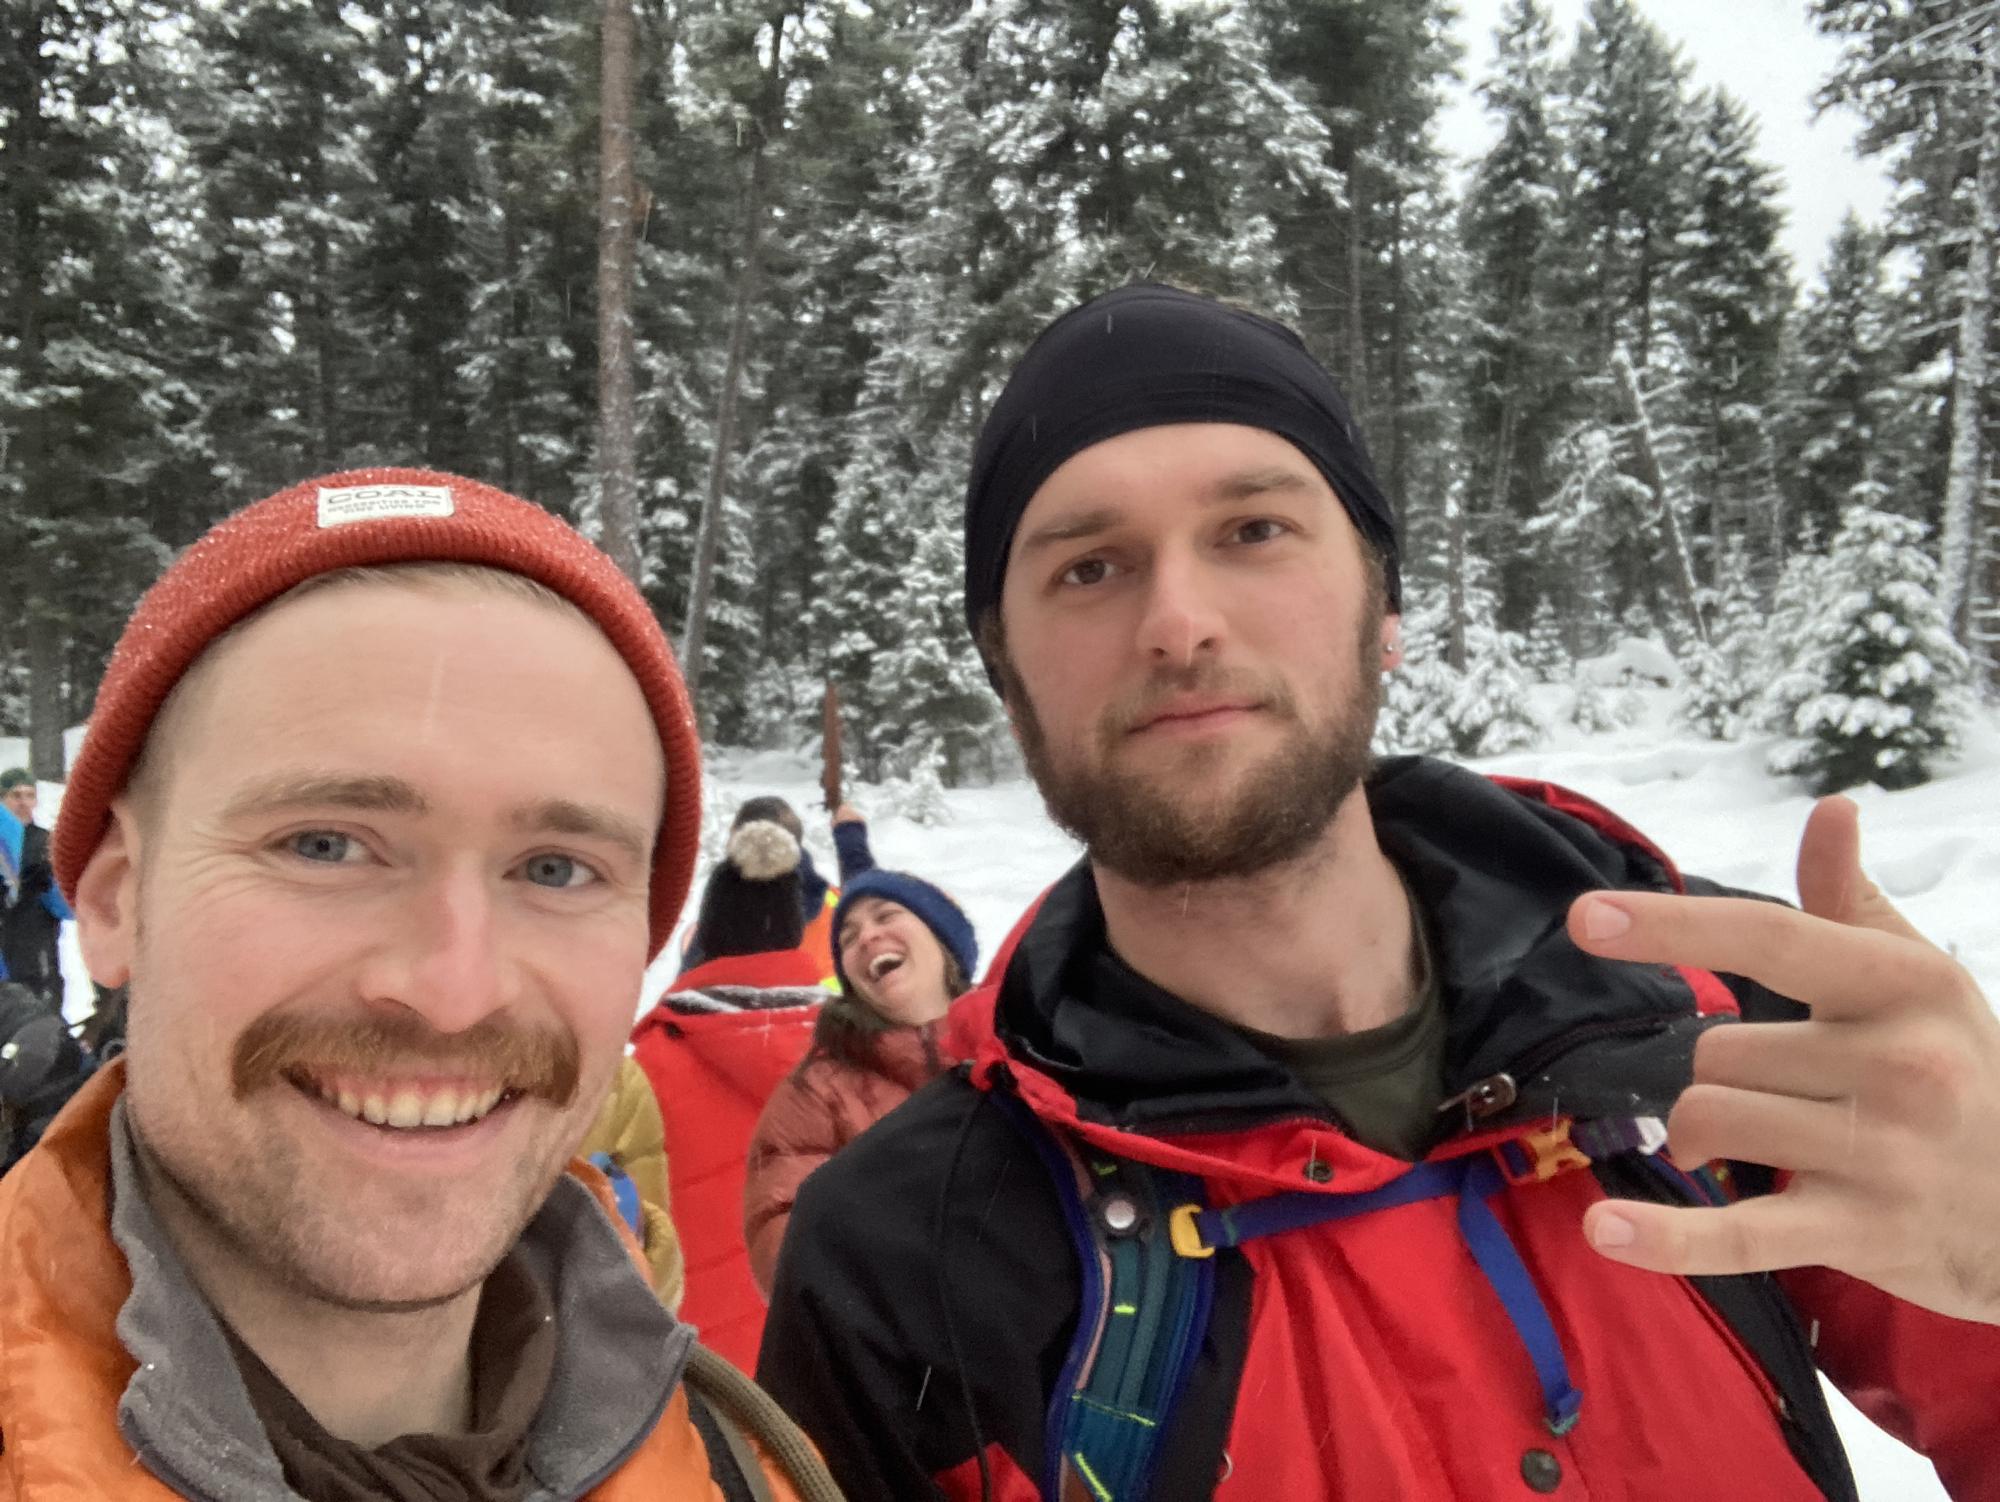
(1185, 1234)
(1549, 1153)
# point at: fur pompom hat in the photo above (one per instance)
(751, 903)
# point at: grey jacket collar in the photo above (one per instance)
(187, 1415)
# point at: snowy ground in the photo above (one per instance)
(1935, 849)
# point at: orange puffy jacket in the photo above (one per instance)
(63, 1369)
(817, 1110)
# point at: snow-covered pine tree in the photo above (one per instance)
(1354, 238)
(1627, 130)
(1637, 621)
(775, 130)
(864, 557)
(1591, 710)
(744, 611)
(413, 278)
(1416, 698)
(284, 164)
(919, 794)
(1732, 289)
(1490, 713)
(1711, 695)
(1432, 708)
(1571, 537)
(106, 445)
(1544, 654)
(1983, 619)
(1889, 679)
(525, 354)
(934, 705)
(1926, 78)
(1626, 126)
(1723, 677)
(1517, 365)
(1839, 423)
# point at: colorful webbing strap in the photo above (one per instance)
(1472, 1180)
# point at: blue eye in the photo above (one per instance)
(324, 846)
(556, 871)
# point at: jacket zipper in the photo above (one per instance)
(1490, 1095)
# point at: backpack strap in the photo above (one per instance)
(1753, 1306)
(747, 1419)
(1141, 1317)
(730, 1465)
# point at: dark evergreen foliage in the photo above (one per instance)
(240, 245)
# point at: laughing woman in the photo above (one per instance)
(902, 952)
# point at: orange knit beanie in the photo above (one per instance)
(352, 520)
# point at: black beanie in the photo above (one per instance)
(751, 903)
(1145, 356)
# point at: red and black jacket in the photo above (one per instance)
(928, 1289)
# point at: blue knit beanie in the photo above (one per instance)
(937, 912)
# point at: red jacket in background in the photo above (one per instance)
(712, 1071)
(760, 972)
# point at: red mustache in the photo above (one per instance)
(541, 1062)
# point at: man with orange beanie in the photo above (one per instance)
(390, 794)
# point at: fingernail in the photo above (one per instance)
(1604, 920)
(1612, 1230)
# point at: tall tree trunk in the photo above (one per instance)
(1357, 328)
(45, 720)
(1983, 609)
(1454, 570)
(1975, 312)
(509, 378)
(1983, 626)
(1672, 511)
(324, 403)
(729, 400)
(1398, 468)
(617, 218)
(28, 179)
(1518, 319)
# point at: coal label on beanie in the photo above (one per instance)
(373, 503)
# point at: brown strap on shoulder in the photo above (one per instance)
(743, 1412)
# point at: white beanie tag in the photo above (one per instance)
(372, 503)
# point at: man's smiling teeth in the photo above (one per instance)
(405, 1109)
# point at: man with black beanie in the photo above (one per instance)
(1311, 1143)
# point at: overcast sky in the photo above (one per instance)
(1764, 52)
